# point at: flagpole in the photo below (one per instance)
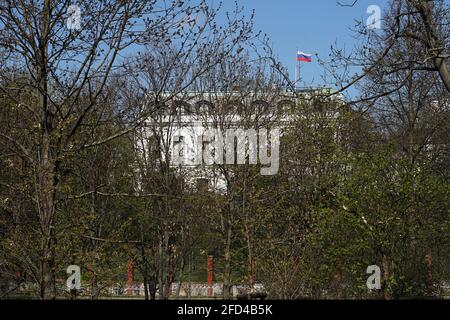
(297, 72)
(296, 69)
(295, 77)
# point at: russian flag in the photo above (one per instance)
(301, 56)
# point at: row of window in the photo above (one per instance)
(204, 106)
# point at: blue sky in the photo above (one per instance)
(311, 26)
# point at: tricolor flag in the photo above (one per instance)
(301, 56)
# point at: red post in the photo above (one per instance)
(130, 277)
(210, 275)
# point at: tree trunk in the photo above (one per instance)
(386, 294)
(164, 265)
(146, 295)
(227, 295)
(46, 170)
(433, 42)
(46, 215)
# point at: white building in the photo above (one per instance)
(188, 126)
